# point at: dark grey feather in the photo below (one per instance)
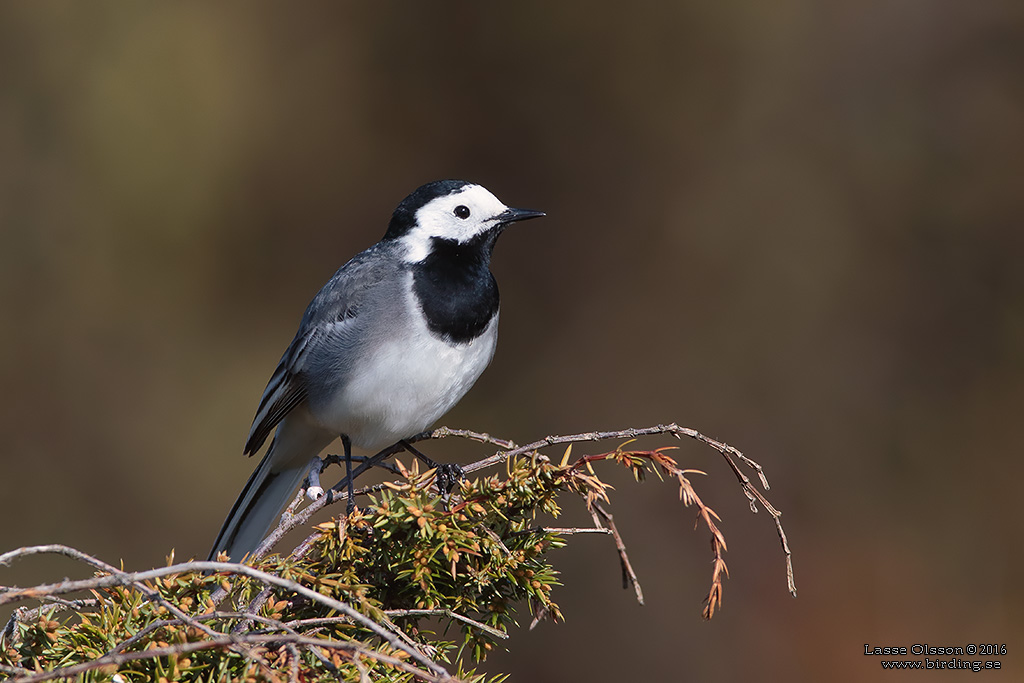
(335, 317)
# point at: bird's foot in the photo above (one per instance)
(448, 475)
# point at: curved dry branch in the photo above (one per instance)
(137, 579)
(527, 469)
(730, 454)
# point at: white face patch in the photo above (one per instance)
(446, 217)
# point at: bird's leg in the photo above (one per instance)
(372, 459)
(314, 491)
(347, 444)
(448, 474)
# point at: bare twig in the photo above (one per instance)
(222, 641)
(496, 538)
(596, 490)
(14, 671)
(23, 615)
(260, 599)
(139, 636)
(630, 433)
(254, 606)
(541, 613)
(392, 626)
(293, 668)
(314, 621)
(729, 453)
(338, 492)
(752, 495)
(364, 674)
(493, 632)
(442, 432)
(286, 636)
(603, 518)
(151, 594)
(136, 578)
(334, 494)
(57, 549)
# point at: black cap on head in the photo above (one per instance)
(404, 217)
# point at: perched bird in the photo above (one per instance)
(388, 346)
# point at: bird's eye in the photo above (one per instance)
(462, 211)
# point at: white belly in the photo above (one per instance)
(403, 387)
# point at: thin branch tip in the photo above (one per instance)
(252, 625)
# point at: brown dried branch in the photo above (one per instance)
(24, 615)
(633, 459)
(729, 453)
(596, 489)
(229, 640)
(337, 493)
(264, 595)
(569, 531)
(718, 547)
(493, 632)
(293, 669)
(150, 594)
(631, 433)
(136, 579)
(443, 432)
(14, 671)
(540, 614)
(604, 519)
(752, 495)
(286, 634)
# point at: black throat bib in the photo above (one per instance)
(456, 289)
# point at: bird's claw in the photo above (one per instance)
(448, 475)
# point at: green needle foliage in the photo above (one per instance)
(446, 578)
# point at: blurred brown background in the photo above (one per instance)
(795, 227)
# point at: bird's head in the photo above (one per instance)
(452, 211)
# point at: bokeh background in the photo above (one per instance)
(795, 226)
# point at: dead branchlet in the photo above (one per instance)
(349, 600)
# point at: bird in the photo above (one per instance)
(390, 343)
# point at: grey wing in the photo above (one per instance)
(285, 390)
(336, 305)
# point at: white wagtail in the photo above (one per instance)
(388, 346)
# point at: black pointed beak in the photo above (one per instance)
(515, 215)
